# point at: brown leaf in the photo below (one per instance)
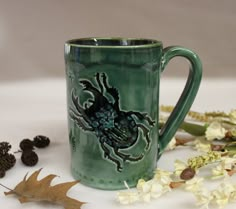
(31, 189)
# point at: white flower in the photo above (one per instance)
(204, 198)
(221, 195)
(232, 116)
(171, 145)
(229, 190)
(194, 185)
(179, 167)
(233, 194)
(163, 176)
(228, 187)
(127, 197)
(215, 131)
(202, 145)
(219, 172)
(156, 190)
(144, 186)
(228, 162)
(151, 189)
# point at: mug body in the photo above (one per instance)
(112, 98)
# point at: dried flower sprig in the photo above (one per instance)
(221, 196)
(216, 127)
(206, 117)
(192, 114)
(165, 181)
(202, 160)
(214, 136)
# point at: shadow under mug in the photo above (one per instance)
(113, 107)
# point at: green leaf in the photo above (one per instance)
(193, 129)
(231, 148)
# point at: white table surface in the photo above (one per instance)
(29, 108)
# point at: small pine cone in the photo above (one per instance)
(2, 173)
(26, 144)
(7, 161)
(4, 148)
(41, 141)
(29, 158)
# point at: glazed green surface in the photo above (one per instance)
(135, 73)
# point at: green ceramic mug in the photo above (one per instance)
(113, 106)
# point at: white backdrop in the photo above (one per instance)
(33, 32)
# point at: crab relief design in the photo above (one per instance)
(112, 126)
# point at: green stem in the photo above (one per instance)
(228, 122)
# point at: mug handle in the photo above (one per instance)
(188, 95)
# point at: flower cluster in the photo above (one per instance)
(165, 181)
(214, 137)
(147, 190)
(221, 196)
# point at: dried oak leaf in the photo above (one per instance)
(31, 189)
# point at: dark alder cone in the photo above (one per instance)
(4, 148)
(7, 161)
(2, 173)
(187, 173)
(29, 158)
(41, 141)
(26, 144)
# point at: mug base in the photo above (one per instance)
(109, 184)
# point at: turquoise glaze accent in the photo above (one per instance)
(113, 107)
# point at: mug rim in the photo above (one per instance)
(143, 42)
